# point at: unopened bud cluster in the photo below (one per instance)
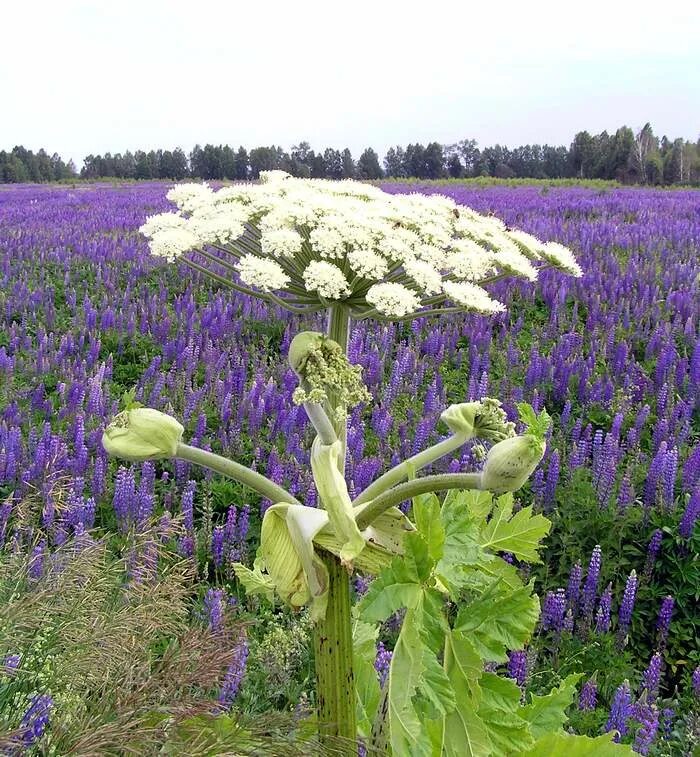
(325, 370)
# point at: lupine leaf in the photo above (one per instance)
(568, 745)
(520, 534)
(426, 512)
(465, 732)
(547, 714)
(498, 710)
(364, 640)
(499, 620)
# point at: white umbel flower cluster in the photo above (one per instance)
(315, 241)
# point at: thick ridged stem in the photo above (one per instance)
(335, 682)
(410, 466)
(366, 513)
(255, 481)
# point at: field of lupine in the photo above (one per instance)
(87, 314)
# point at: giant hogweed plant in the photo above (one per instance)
(354, 252)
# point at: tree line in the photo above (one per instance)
(626, 156)
(20, 165)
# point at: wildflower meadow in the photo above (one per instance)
(328, 467)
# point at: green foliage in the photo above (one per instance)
(537, 424)
(439, 699)
(364, 639)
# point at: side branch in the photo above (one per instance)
(251, 479)
(368, 512)
(409, 467)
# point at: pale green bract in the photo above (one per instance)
(335, 498)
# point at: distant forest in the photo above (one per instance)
(626, 156)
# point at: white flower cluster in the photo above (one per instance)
(344, 240)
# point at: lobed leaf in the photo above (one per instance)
(499, 620)
(568, 745)
(547, 714)
(520, 534)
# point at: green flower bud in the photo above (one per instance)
(142, 433)
(484, 419)
(511, 462)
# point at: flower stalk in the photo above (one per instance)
(236, 471)
(335, 681)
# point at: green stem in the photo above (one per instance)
(410, 466)
(368, 512)
(335, 683)
(338, 330)
(263, 486)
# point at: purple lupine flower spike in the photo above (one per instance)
(646, 713)
(652, 676)
(573, 588)
(695, 682)
(234, 675)
(553, 610)
(517, 666)
(36, 719)
(217, 546)
(627, 604)
(620, 711)
(653, 552)
(602, 618)
(589, 696)
(214, 604)
(382, 663)
(590, 587)
(663, 622)
(690, 515)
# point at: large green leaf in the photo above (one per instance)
(493, 568)
(520, 534)
(433, 620)
(465, 732)
(406, 672)
(435, 690)
(461, 547)
(426, 513)
(476, 501)
(364, 640)
(395, 587)
(547, 714)
(498, 710)
(499, 620)
(568, 745)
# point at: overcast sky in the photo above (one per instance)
(82, 76)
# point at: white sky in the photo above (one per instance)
(88, 76)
